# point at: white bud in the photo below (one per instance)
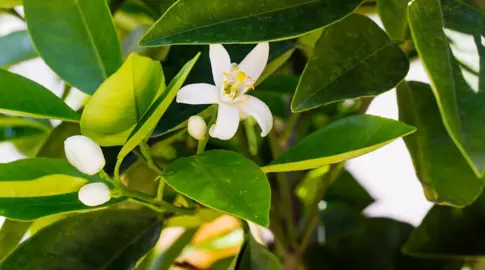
(197, 127)
(84, 154)
(94, 194)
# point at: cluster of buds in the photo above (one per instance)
(87, 157)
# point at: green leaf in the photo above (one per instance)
(40, 177)
(253, 256)
(76, 39)
(109, 239)
(225, 181)
(31, 99)
(33, 188)
(360, 63)
(18, 128)
(10, 3)
(189, 22)
(11, 232)
(36, 207)
(16, 47)
(447, 35)
(150, 119)
(134, 87)
(338, 141)
(450, 232)
(432, 149)
(393, 17)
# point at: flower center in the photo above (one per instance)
(234, 80)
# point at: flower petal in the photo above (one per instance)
(227, 122)
(258, 110)
(198, 93)
(255, 62)
(220, 62)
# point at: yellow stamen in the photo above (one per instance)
(234, 67)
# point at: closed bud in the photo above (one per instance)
(94, 194)
(197, 127)
(84, 154)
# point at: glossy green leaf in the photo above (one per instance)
(160, 6)
(109, 239)
(450, 232)
(253, 256)
(16, 47)
(189, 22)
(225, 181)
(40, 177)
(33, 188)
(11, 232)
(363, 62)
(338, 141)
(393, 17)
(150, 119)
(76, 39)
(36, 207)
(433, 150)
(447, 35)
(53, 147)
(17, 95)
(10, 3)
(18, 128)
(178, 113)
(134, 87)
(376, 245)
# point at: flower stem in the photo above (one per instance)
(147, 157)
(159, 206)
(203, 142)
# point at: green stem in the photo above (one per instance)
(147, 157)
(284, 191)
(251, 136)
(312, 217)
(159, 206)
(203, 142)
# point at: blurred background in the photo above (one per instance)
(387, 173)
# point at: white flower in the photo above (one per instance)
(84, 154)
(232, 81)
(94, 194)
(197, 127)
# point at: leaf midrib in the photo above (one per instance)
(97, 55)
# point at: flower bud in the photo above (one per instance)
(84, 154)
(197, 127)
(94, 194)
